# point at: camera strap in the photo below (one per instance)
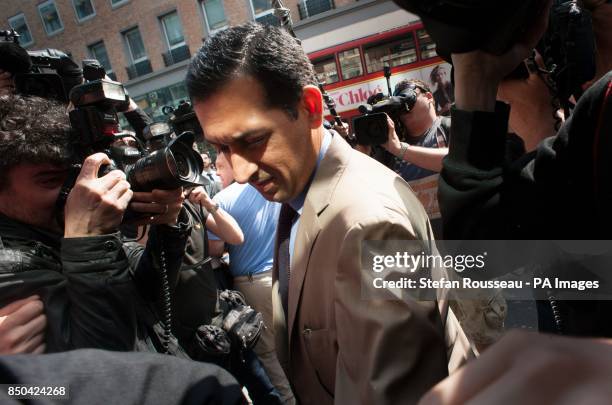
(60, 203)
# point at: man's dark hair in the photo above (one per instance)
(265, 53)
(32, 130)
(404, 84)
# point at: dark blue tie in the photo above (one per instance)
(285, 220)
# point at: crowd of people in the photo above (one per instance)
(253, 283)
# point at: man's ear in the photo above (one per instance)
(312, 105)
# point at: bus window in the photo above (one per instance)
(393, 53)
(326, 70)
(428, 48)
(350, 63)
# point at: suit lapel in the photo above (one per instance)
(307, 233)
(318, 198)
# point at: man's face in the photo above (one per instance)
(206, 160)
(224, 170)
(440, 76)
(265, 146)
(420, 111)
(30, 194)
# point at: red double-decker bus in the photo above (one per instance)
(353, 71)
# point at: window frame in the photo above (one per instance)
(93, 55)
(165, 32)
(331, 57)
(262, 14)
(208, 29)
(129, 47)
(401, 37)
(25, 21)
(89, 17)
(118, 4)
(361, 62)
(59, 17)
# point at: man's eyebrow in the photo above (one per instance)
(242, 135)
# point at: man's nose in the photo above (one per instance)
(243, 168)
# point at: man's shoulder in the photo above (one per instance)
(370, 192)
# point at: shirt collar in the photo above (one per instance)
(298, 202)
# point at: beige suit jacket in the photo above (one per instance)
(335, 345)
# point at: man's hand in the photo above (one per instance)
(530, 368)
(161, 206)
(199, 196)
(22, 327)
(343, 129)
(393, 144)
(95, 206)
(7, 85)
(478, 74)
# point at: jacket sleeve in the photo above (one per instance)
(390, 350)
(471, 186)
(95, 309)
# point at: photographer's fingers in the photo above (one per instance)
(122, 193)
(15, 305)
(22, 315)
(91, 166)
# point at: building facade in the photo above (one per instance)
(147, 44)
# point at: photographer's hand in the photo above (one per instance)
(22, 326)
(393, 144)
(7, 85)
(478, 74)
(95, 206)
(162, 206)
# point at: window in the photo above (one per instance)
(84, 9)
(326, 70)
(98, 51)
(214, 14)
(19, 24)
(135, 46)
(350, 63)
(173, 30)
(50, 17)
(308, 8)
(117, 3)
(393, 53)
(136, 50)
(426, 44)
(263, 12)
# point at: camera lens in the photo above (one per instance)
(179, 164)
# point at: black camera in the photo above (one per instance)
(183, 118)
(47, 73)
(458, 26)
(168, 164)
(371, 128)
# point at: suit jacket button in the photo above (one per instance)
(109, 245)
(306, 332)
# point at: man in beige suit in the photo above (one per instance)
(255, 95)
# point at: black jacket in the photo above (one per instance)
(560, 191)
(98, 292)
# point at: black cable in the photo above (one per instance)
(166, 301)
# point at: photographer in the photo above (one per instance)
(426, 133)
(80, 267)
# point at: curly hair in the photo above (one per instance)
(32, 130)
(266, 53)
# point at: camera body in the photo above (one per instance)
(47, 73)
(183, 118)
(371, 128)
(165, 163)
